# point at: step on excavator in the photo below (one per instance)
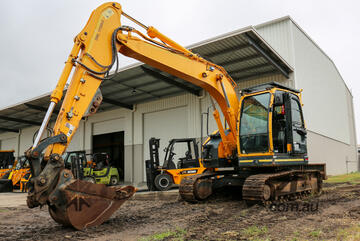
(266, 151)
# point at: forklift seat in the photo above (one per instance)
(187, 163)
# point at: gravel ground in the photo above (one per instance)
(334, 215)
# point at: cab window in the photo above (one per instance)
(299, 139)
(296, 113)
(254, 124)
(279, 126)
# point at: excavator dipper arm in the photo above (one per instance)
(81, 204)
(74, 202)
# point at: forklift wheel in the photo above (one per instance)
(163, 182)
(114, 181)
(90, 179)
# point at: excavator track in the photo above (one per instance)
(281, 186)
(265, 187)
(196, 188)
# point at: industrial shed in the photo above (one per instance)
(141, 102)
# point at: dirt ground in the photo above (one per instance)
(335, 215)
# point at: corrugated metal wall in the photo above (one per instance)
(327, 102)
(324, 95)
(188, 100)
(271, 78)
(278, 35)
(9, 143)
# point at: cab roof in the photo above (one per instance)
(267, 86)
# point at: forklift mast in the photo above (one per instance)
(152, 164)
(154, 145)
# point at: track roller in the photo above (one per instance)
(196, 188)
(281, 186)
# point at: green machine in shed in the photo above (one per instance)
(94, 168)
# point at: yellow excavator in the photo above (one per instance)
(17, 177)
(7, 162)
(265, 142)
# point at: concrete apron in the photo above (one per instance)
(16, 198)
(156, 196)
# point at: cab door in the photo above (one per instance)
(295, 127)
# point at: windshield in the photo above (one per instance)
(254, 124)
(18, 165)
(22, 163)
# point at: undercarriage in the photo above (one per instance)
(257, 184)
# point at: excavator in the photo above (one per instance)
(7, 161)
(17, 177)
(264, 144)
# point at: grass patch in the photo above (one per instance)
(177, 234)
(353, 178)
(315, 233)
(254, 231)
(3, 210)
(350, 233)
(244, 212)
(297, 236)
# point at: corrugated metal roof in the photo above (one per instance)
(243, 53)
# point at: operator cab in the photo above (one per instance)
(76, 162)
(272, 129)
(70, 159)
(181, 153)
(7, 159)
(23, 162)
(101, 160)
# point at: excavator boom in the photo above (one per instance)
(81, 204)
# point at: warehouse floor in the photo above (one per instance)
(335, 215)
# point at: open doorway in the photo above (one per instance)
(112, 144)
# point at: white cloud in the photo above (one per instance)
(36, 36)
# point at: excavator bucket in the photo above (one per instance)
(82, 204)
